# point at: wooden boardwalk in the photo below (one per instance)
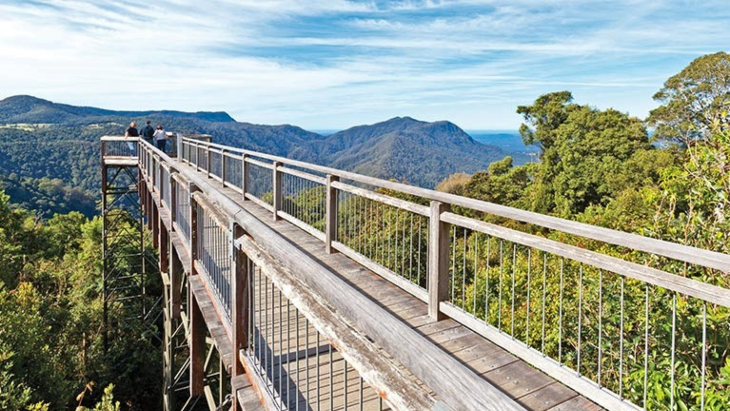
(529, 387)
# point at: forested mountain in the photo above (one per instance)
(29, 109)
(40, 139)
(406, 149)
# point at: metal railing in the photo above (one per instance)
(620, 322)
(214, 254)
(119, 146)
(300, 368)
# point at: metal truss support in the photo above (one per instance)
(127, 262)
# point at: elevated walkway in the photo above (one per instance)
(324, 289)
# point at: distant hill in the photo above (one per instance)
(418, 152)
(42, 139)
(29, 109)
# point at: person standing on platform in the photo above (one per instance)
(132, 132)
(160, 137)
(148, 132)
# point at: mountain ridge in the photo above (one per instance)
(42, 139)
(48, 112)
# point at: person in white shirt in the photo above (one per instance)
(160, 137)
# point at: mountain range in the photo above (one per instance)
(40, 139)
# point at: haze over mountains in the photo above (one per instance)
(41, 139)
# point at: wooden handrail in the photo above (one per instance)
(680, 252)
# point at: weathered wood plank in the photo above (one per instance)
(382, 198)
(213, 321)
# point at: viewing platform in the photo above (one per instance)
(323, 289)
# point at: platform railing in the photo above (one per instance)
(120, 147)
(622, 319)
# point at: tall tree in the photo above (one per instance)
(692, 99)
(544, 117)
(583, 151)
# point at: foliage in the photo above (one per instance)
(106, 403)
(584, 153)
(695, 207)
(692, 100)
(48, 196)
(544, 117)
(453, 184)
(51, 317)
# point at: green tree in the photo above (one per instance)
(584, 150)
(544, 117)
(692, 99)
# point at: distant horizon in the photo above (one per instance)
(325, 131)
(470, 132)
(330, 64)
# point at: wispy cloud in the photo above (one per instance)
(336, 63)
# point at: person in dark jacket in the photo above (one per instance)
(148, 132)
(132, 132)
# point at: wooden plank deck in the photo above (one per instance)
(529, 387)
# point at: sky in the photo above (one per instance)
(332, 64)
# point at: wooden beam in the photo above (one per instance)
(197, 346)
(278, 195)
(176, 277)
(224, 166)
(164, 246)
(331, 213)
(155, 219)
(239, 299)
(240, 290)
(244, 176)
(438, 260)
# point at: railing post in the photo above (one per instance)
(193, 229)
(244, 175)
(197, 157)
(164, 247)
(438, 260)
(155, 219)
(154, 174)
(197, 346)
(277, 190)
(207, 161)
(173, 199)
(180, 146)
(239, 300)
(197, 323)
(331, 213)
(176, 276)
(224, 162)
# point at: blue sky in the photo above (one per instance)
(331, 64)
